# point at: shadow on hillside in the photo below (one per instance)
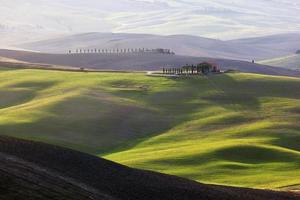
(92, 123)
(21, 93)
(185, 94)
(231, 94)
(240, 154)
(246, 93)
(235, 101)
(185, 98)
(286, 136)
(5, 68)
(101, 125)
(36, 85)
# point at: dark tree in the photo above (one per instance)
(205, 67)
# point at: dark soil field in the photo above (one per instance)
(31, 170)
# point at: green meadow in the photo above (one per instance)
(233, 129)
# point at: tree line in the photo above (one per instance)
(119, 51)
(202, 68)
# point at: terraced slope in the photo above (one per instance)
(31, 170)
(232, 129)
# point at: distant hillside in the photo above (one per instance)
(246, 49)
(30, 170)
(144, 62)
(284, 43)
(289, 62)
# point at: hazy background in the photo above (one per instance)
(24, 21)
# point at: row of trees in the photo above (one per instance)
(117, 51)
(202, 68)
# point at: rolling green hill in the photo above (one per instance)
(289, 62)
(233, 129)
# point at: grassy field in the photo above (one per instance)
(233, 129)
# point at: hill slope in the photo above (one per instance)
(129, 62)
(246, 49)
(38, 171)
(289, 62)
(281, 43)
(202, 128)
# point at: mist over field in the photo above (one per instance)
(38, 19)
